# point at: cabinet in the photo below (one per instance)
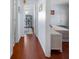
(56, 41)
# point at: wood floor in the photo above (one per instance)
(63, 55)
(29, 48)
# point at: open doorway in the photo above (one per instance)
(30, 16)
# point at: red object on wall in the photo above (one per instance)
(52, 12)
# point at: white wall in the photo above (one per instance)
(16, 29)
(13, 25)
(11, 28)
(43, 26)
(21, 17)
(61, 16)
(36, 18)
(48, 30)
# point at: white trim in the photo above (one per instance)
(65, 40)
(57, 49)
(12, 49)
(11, 52)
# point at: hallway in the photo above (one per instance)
(29, 48)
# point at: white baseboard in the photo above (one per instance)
(11, 52)
(65, 40)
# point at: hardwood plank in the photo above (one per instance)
(29, 48)
(58, 55)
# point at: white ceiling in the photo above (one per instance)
(30, 2)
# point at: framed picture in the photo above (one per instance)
(52, 12)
